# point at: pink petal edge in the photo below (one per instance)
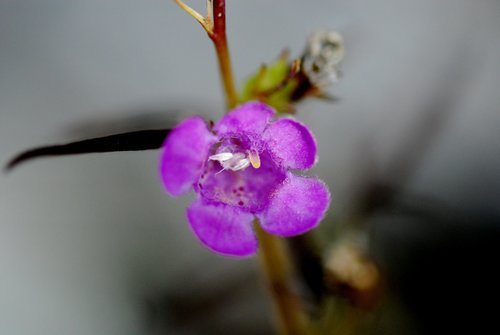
(249, 118)
(297, 206)
(224, 229)
(292, 143)
(184, 154)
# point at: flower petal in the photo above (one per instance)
(250, 118)
(222, 228)
(248, 189)
(298, 206)
(292, 143)
(184, 154)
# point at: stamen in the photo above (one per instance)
(254, 158)
(240, 165)
(236, 161)
(222, 157)
(230, 161)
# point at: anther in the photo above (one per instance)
(254, 158)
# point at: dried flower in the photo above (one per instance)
(283, 83)
(320, 63)
(240, 170)
(323, 54)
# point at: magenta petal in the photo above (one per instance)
(184, 154)
(296, 207)
(250, 118)
(292, 143)
(222, 228)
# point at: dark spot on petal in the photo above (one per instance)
(240, 203)
(236, 141)
(241, 188)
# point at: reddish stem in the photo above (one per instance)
(219, 12)
(219, 39)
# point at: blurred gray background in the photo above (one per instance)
(89, 243)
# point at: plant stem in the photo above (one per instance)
(215, 26)
(219, 39)
(276, 267)
(273, 254)
(272, 251)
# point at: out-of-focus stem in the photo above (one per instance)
(276, 267)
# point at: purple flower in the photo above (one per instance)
(240, 170)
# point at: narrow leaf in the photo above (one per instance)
(131, 141)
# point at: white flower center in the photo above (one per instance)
(230, 161)
(237, 161)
